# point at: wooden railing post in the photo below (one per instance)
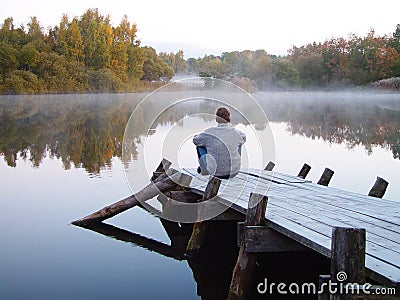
(379, 188)
(200, 228)
(347, 258)
(270, 166)
(245, 265)
(304, 171)
(326, 177)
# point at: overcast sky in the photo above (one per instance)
(214, 26)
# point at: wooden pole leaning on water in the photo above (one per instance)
(163, 182)
(246, 262)
(200, 228)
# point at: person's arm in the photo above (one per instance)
(198, 139)
(242, 137)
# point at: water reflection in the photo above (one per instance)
(87, 130)
(212, 271)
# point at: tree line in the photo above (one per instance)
(84, 54)
(88, 54)
(355, 61)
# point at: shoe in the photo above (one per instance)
(199, 170)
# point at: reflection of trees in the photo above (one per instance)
(353, 123)
(88, 131)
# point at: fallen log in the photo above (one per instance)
(163, 183)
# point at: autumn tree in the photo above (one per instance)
(154, 68)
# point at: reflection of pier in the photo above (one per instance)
(359, 234)
(212, 272)
(176, 250)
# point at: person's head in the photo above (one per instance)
(223, 115)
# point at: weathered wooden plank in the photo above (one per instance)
(340, 210)
(375, 226)
(321, 208)
(387, 255)
(361, 204)
(376, 269)
(274, 176)
(162, 168)
(319, 211)
(183, 196)
(265, 239)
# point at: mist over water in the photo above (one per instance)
(61, 158)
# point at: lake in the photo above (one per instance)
(62, 157)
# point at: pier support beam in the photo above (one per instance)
(304, 171)
(326, 177)
(379, 188)
(200, 228)
(347, 258)
(246, 262)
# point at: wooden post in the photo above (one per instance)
(270, 166)
(244, 268)
(323, 286)
(161, 169)
(162, 184)
(304, 171)
(326, 177)
(200, 228)
(347, 258)
(379, 188)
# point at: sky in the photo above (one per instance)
(216, 26)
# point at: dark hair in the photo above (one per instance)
(223, 115)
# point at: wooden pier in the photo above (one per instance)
(360, 233)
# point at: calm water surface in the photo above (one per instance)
(61, 158)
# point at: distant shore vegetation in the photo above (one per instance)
(87, 54)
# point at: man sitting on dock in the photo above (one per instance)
(219, 147)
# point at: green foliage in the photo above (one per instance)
(250, 68)
(104, 80)
(61, 75)
(88, 54)
(79, 55)
(22, 82)
(28, 57)
(175, 61)
(154, 68)
(356, 60)
(8, 59)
